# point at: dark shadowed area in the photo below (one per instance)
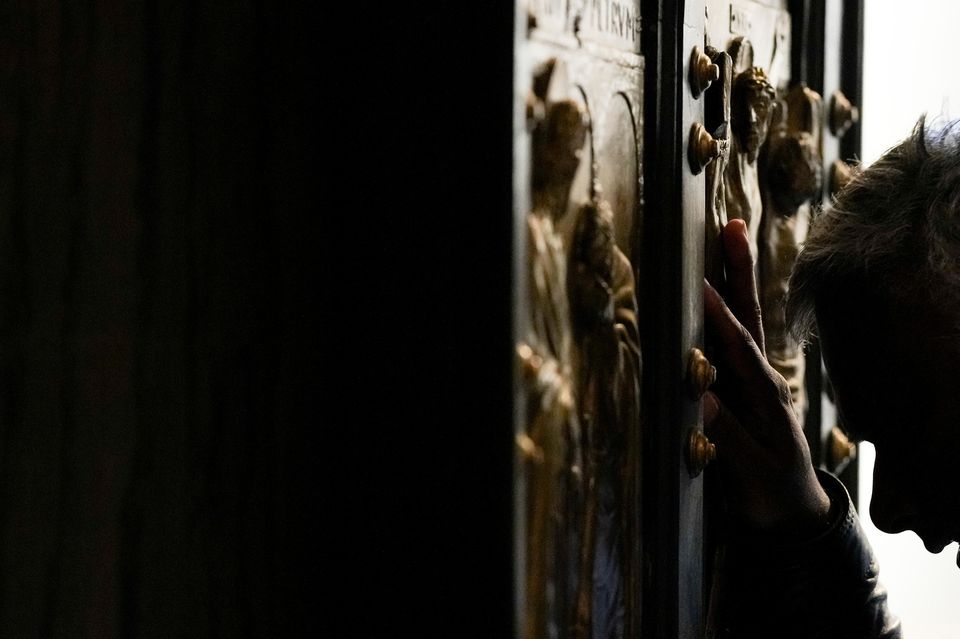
(158, 343)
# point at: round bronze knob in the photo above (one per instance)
(700, 373)
(840, 450)
(703, 72)
(703, 148)
(843, 114)
(840, 175)
(700, 452)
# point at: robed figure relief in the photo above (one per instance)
(791, 176)
(581, 372)
(552, 440)
(608, 389)
(751, 108)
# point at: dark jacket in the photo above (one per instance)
(820, 588)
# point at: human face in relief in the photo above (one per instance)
(758, 113)
(894, 373)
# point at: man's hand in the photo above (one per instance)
(769, 478)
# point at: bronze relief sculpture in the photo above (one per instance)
(551, 443)
(792, 176)
(580, 366)
(717, 124)
(608, 391)
(770, 175)
(751, 108)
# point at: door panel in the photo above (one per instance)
(642, 127)
(579, 363)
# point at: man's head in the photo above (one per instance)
(751, 110)
(879, 281)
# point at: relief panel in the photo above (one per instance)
(792, 177)
(772, 170)
(578, 341)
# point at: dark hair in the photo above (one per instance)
(893, 231)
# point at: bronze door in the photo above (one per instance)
(578, 432)
(640, 127)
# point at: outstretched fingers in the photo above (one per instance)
(741, 279)
(736, 351)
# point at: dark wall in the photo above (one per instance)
(422, 322)
(158, 337)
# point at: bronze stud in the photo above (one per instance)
(700, 373)
(843, 114)
(703, 72)
(700, 452)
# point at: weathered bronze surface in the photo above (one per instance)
(765, 23)
(611, 24)
(703, 71)
(608, 388)
(792, 176)
(786, 132)
(751, 108)
(758, 148)
(551, 442)
(700, 452)
(840, 450)
(701, 374)
(581, 364)
(717, 123)
(843, 114)
(840, 175)
(703, 148)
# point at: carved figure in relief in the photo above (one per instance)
(581, 364)
(606, 334)
(792, 176)
(751, 108)
(717, 123)
(552, 441)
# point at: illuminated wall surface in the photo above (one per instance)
(909, 68)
